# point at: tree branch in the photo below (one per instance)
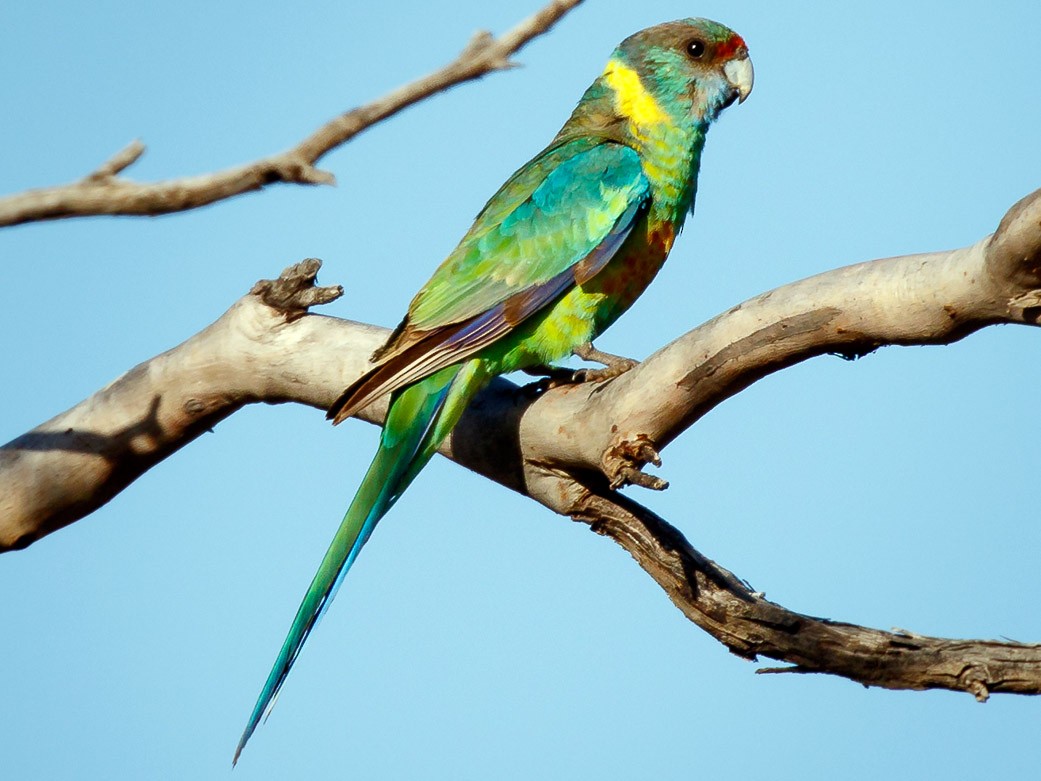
(105, 192)
(564, 447)
(934, 298)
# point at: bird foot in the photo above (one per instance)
(551, 377)
(614, 365)
(605, 374)
(624, 462)
(557, 376)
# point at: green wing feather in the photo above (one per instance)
(548, 217)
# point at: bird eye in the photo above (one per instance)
(696, 49)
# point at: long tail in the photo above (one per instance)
(419, 418)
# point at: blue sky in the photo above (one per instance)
(479, 636)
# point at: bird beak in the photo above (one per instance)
(740, 75)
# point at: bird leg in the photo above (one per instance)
(555, 376)
(614, 365)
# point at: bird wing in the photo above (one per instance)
(556, 223)
(550, 215)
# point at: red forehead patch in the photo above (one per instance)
(730, 46)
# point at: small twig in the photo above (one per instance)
(104, 192)
(118, 162)
(623, 464)
(295, 291)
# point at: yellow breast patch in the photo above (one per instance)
(631, 99)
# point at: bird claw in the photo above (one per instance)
(624, 462)
(551, 377)
(557, 376)
(609, 372)
(614, 365)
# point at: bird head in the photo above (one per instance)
(691, 67)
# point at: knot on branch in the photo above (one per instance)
(1026, 306)
(295, 290)
(974, 680)
(1014, 250)
(623, 463)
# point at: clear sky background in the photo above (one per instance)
(480, 636)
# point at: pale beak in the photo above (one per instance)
(740, 75)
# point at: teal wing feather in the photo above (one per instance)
(547, 218)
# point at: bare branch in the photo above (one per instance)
(750, 626)
(563, 447)
(104, 192)
(935, 298)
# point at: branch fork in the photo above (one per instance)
(120, 161)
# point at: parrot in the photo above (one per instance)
(555, 256)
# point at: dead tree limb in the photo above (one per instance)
(106, 192)
(564, 448)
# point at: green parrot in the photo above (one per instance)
(558, 253)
